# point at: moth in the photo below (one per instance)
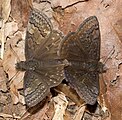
(43, 67)
(82, 50)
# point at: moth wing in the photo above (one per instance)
(35, 88)
(38, 31)
(86, 84)
(49, 50)
(80, 48)
(84, 44)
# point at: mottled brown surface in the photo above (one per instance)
(65, 18)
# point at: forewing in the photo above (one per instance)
(49, 51)
(85, 83)
(84, 44)
(35, 88)
(38, 31)
(88, 37)
(69, 48)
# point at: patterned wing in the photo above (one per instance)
(38, 31)
(49, 50)
(85, 83)
(84, 44)
(53, 74)
(35, 89)
(82, 50)
(88, 36)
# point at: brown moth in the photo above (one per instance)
(82, 50)
(43, 67)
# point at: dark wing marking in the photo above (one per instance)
(88, 36)
(35, 88)
(38, 31)
(85, 83)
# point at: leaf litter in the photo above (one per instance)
(13, 30)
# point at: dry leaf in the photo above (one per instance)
(65, 3)
(6, 115)
(69, 92)
(60, 105)
(5, 11)
(79, 113)
(3, 79)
